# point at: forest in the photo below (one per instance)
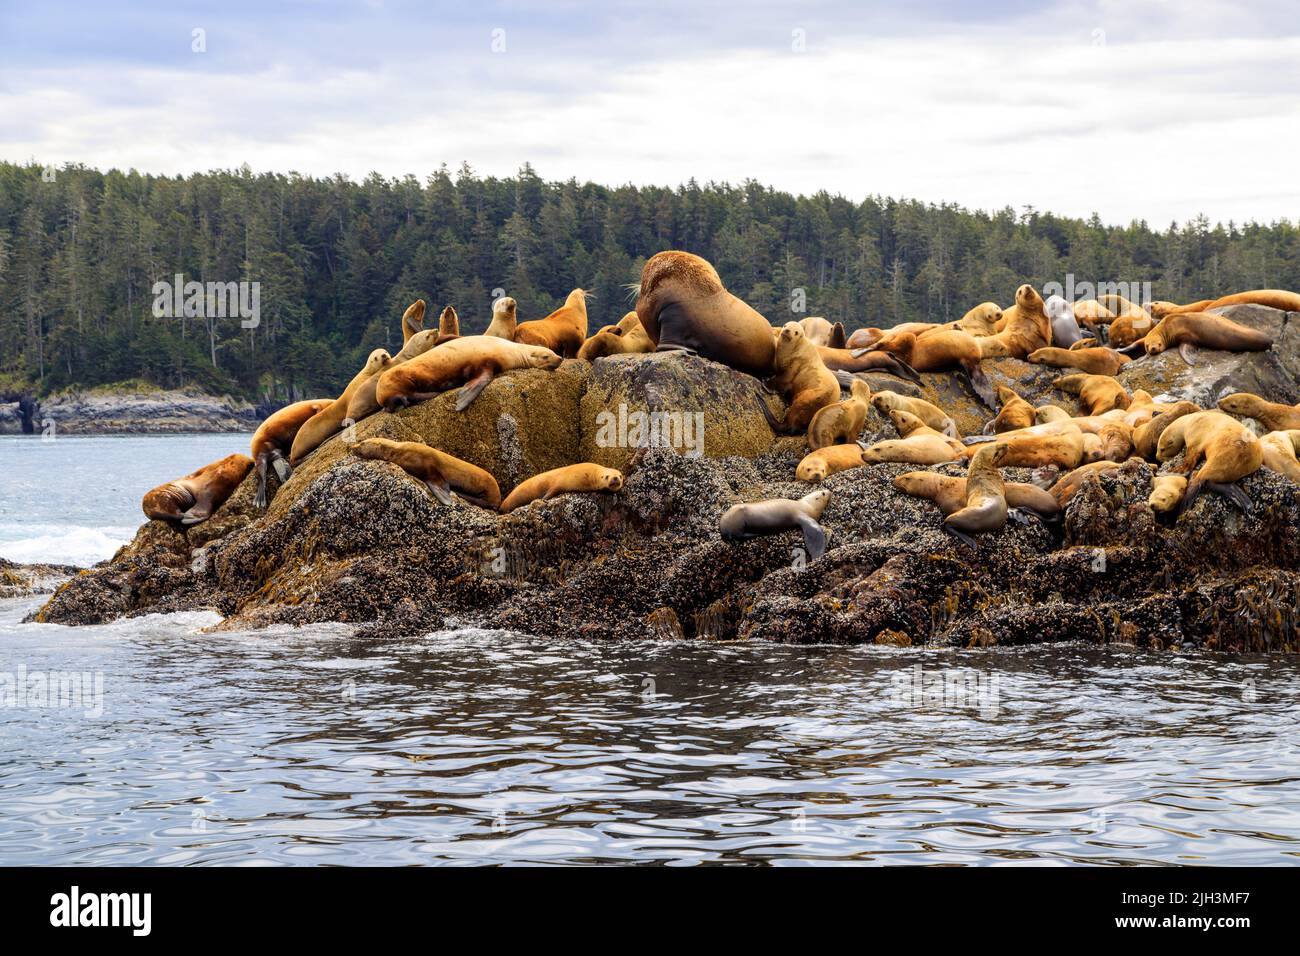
(336, 261)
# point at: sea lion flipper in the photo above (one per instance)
(441, 491)
(961, 536)
(471, 389)
(1188, 352)
(1136, 350)
(767, 413)
(283, 470)
(1233, 493)
(858, 353)
(903, 370)
(980, 385)
(978, 439)
(814, 537)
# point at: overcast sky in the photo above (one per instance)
(1135, 109)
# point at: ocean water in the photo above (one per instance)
(156, 741)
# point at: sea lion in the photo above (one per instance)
(1160, 308)
(329, 420)
(363, 402)
(1230, 451)
(274, 439)
(939, 351)
(1279, 449)
(807, 384)
(1065, 327)
(920, 444)
(1273, 298)
(1189, 330)
(1274, 416)
(448, 323)
(582, 477)
(1166, 492)
(440, 472)
(1015, 412)
(1054, 443)
(929, 413)
(683, 305)
(1050, 413)
(821, 332)
(1097, 393)
(1094, 361)
(1092, 311)
(1127, 330)
(563, 331)
(1121, 307)
(1065, 487)
(842, 421)
(981, 320)
(986, 503)
(1146, 436)
(778, 515)
(865, 360)
(628, 337)
(949, 493)
(1116, 440)
(413, 319)
(503, 322)
(470, 361)
(829, 460)
(1025, 328)
(193, 498)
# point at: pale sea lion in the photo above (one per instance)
(503, 322)
(626, 338)
(807, 384)
(920, 444)
(1274, 416)
(777, 515)
(470, 361)
(440, 472)
(1273, 298)
(563, 331)
(986, 503)
(1065, 327)
(981, 320)
(195, 497)
(273, 441)
(329, 420)
(583, 477)
(363, 402)
(928, 412)
(1279, 449)
(1094, 361)
(683, 304)
(829, 460)
(1092, 311)
(842, 421)
(1230, 450)
(823, 332)
(1050, 413)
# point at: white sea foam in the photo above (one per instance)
(61, 543)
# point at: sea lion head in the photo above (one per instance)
(1027, 297)
(1092, 449)
(905, 422)
(918, 483)
(538, 356)
(378, 358)
(790, 335)
(817, 500)
(697, 274)
(504, 307)
(999, 453)
(1239, 403)
(414, 314)
(610, 478)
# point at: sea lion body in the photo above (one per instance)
(1065, 327)
(1015, 412)
(872, 360)
(503, 322)
(920, 444)
(1025, 328)
(1050, 413)
(949, 493)
(363, 403)
(413, 319)
(1204, 330)
(683, 304)
(1146, 436)
(1097, 393)
(778, 515)
(807, 384)
(1279, 450)
(981, 320)
(1274, 416)
(1094, 361)
(986, 503)
(823, 332)
(829, 460)
(442, 473)
(1230, 451)
(563, 331)
(273, 441)
(928, 412)
(626, 338)
(1092, 311)
(1065, 487)
(195, 497)
(583, 477)
(329, 420)
(841, 422)
(1273, 298)
(470, 361)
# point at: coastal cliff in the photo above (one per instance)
(362, 542)
(117, 411)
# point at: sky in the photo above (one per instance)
(1134, 109)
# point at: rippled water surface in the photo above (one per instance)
(312, 746)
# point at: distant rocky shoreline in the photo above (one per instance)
(111, 412)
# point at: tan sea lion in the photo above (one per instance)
(363, 402)
(626, 338)
(195, 497)
(470, 361)
(1146, 436)
(273, 440)
(1129, 329)
(981, 320)
(822, 332)
(1065, 487)
(1166, 492)
(829, 460)
(329, 420)
(563, 331)
(1279, 449)
(1097, 393)
(1092, 311)
(683, 305)
(1015, 412)
(1229, 449)
(1094, 361)
(940, 351)
(1054, 443)
(807, 384)
(503, 323)
(949, 493)
(929, 413)
(448, 323)
(865, 360)
(412, 319)
(920, 444)
(778, 515)
(1050, 413)
(1025, 328)
(440, 472)
(1116, 440)
(1274, 416)
(986, 503)
(842, 421)
(1190, 330)
(583, 477)
(1273, 298)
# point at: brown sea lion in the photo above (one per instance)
(1116, 441)
(583, 477)
(1274, 416)
(448, 323)
(1097, 393)
(1015, 412)
(440, 472)
(195, 497)
(683, 305)
(1129, 329)
(274, 438)
(986, 503)
(842, 421)
(1094, 361)
(1025, 328)
(1230, 451)
(1166, 492)
(413, 319)
(1054, 443)
(1050, 413)
(1279, 449)
(329, 420)
(929, 413)
(949, 493)
(1146, 437)
(363, 402)
(503, 322)
(470, 361)
(1191, 330)
(865, 360)
(823, 332)
(778, 515)
(829, 460)
(563, 331)
(1065, 487)
(920, 444)
(807, 384)
(1273, 298)
(628, 337)
(941, 351)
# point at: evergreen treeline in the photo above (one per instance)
(338, 261)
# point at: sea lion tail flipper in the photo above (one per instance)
(844, 378)
(1018, 516)
(283, 470)
(1136, 350)
(471, 389)
(475, 500)
(193, 517)
(978, 439)
(259, 499)
(903, 370)
(767, 413)
(980, 384)
(961, 536)
(814, 537)
(858, 353)
(1233, 493)
(1188, 351)
(441, 491)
